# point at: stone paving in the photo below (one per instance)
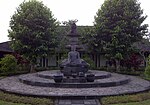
(77, 102)
(13, 85)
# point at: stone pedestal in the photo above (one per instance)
(71, 71)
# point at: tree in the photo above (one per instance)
(62, 32)
(116, 52)
(133, 62)
(87, 38)
(122, 20)
(142, 47)
(32, 31)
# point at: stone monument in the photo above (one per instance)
(73, 37)
(73, 65)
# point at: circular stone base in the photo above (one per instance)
(50, 74)
(44, 80)
(13, 85)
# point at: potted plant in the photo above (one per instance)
(58, 78)
(90, 77)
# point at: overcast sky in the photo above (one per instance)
(63, 10)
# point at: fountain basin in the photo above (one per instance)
(14, 85)
(42, 79)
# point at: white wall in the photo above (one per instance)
(102, 60)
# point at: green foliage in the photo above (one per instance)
(126, 99)
(37, 69)
(87, 37)
(25, 100)
(130, 72)
(63, 56)
(69, 22)
(33, 30)
(86, 32)
(118, 56)
(118, 24)
(87, 58)
(10, 103)
(115, 48)
(23, 67)
(147, 102)
(8, 64)
(62, 32)
(133, 62)
(147, 69)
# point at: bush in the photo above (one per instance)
(23, 67)
(147, 69)
(89, 61)
(133, 62)
(63, 56)
(8, 64)
(102, 68)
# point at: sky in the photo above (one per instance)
(82, 10)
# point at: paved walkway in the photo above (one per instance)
(77, 102)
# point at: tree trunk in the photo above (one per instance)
(32, 68)
(117, 65)
(144, 58)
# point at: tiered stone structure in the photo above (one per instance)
(55, 84)
(74, 66)
(73, 37)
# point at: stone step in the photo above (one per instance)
(77, 102)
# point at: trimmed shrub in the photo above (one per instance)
(8, 64)
(87, 58)
(147, 69)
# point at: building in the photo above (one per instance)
(52, 60)
(5, 49)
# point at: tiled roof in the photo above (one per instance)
(5, 47)
(145, 48)
(144, 45)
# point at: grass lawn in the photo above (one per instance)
(135, 99)
(11, 99)
(147, 102)
(9, 103)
